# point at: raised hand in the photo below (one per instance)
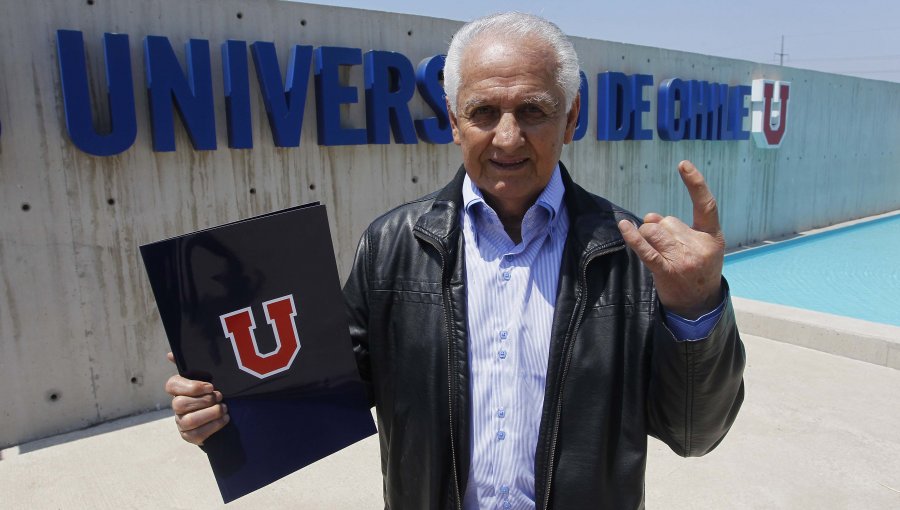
(199, 412)
(686, 262)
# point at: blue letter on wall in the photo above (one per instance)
(670, 127)
(614, 106)
(330, 95)
(695, 109)
(192, 95)
(390, 84)
(285, 101)
(718, 98)
(737, 111)
(638, 83)
(77, 98)
(237, 94)
(428, 81)
(582, 124)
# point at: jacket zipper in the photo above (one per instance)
(577, 318)
(445, 286)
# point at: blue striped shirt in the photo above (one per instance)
(511, 294)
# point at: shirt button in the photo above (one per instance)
(504, 335)
(506, 275)
(507, 505)
(504, 489)
(502, 354)
(501, 435)
(501, 413)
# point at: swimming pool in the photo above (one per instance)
(852, 271)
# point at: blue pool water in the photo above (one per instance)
(852, 271)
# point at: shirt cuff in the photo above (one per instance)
(687, 330)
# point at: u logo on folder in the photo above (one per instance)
(239, 326)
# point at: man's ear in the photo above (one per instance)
(572, 119)
(454, 127)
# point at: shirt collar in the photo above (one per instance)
(550, 198)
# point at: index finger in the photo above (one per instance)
(706, 210)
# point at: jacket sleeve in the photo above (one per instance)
(696, 388)
(356, 298)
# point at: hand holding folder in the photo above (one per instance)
(254, 313)
(198, 406)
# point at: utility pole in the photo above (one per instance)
(781, 54)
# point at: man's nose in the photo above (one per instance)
(508, 134)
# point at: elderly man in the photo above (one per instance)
(521, 337)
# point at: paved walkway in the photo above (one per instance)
(816, 431)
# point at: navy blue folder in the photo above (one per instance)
(255, 308)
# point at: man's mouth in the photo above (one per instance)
(509, 164)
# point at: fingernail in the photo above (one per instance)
(218, 395)
(227, 418)
(225, 408)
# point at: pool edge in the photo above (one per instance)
(857, 339)
(738, 252)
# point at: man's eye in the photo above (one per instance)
(481, 111)
(532, 112)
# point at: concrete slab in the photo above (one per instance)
(129, 464)
(872, 342)
(816, 431)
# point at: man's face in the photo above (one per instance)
(510, 120)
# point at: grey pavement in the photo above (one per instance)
(816, 431)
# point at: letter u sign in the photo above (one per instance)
(770, 111)
(239, 325)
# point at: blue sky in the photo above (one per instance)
(859, 37)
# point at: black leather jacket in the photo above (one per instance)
(615, 373)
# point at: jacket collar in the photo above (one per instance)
(441, 222)
(593, 220)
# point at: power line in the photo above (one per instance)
(854, 31)
(862, 57)
(872, 71)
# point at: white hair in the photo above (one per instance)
(514, 25)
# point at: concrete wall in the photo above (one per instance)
(80, 337)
